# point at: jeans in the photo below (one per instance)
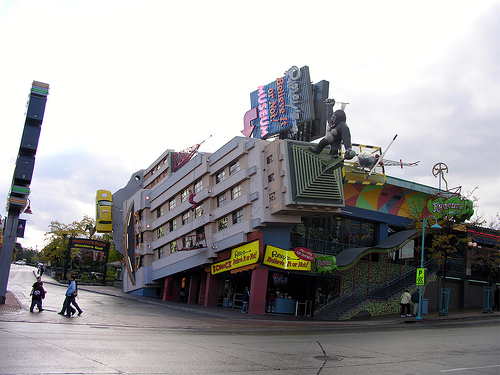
(37, 303)
(245, 307)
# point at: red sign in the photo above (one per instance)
(304, 254)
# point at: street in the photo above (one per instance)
(122, 336)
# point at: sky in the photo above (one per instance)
(131, 79)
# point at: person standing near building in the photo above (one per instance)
(414, 299)
(245, 298)
(405, 304)
(496, 304)
(271, 300)
(37, 294)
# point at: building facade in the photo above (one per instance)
(267, 215)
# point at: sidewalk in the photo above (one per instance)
(13, 305)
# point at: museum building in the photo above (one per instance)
(267, 215)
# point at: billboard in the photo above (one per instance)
(280, 105)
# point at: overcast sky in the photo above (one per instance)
(130, 79)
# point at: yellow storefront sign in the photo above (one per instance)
(286, 260)
(240, 257)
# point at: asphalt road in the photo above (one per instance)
(120, 336)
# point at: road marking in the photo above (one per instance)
(469, 368)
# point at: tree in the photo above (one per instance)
(487, 262)
(58, 235)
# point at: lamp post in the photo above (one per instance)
(424, 224)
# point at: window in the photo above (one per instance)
(173, 247)
(221, 200)
(159, 212)
(223, 223)
(198, 211)
(198, 186)
(221, 176)
(235, 167)
(173, 225)
(272, 196)
(184, 195)
(186, 242)
(237, 216)
(269, 159)
(161, 252)
(160, 232)
(270, 178)
(171, 204)
(236, 192)
(185, 218)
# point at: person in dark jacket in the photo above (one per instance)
(37, 294)
(415, 297)
(246, 298)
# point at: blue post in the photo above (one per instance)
(424, 224)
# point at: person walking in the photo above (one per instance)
(245, 298)
(496, 304)
(405, 304)
(37, 294)
(71, 294)
(414, 299)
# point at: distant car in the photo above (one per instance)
(104, 211)
(20, 262)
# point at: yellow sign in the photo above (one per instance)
(286, 260)
(240, 257)
(420, 276)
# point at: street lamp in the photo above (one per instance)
(435, 226)
(27, 210)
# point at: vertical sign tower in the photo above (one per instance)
(23, 172)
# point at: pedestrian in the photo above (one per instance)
(71, 294)
(496, 305)
(245, 298)
(405, 304)
(271, 300)
(37, 294)
(415, 297)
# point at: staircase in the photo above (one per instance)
(351, 302)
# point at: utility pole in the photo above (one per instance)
(20, 188)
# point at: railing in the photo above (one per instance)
(191, 242)
(319, 246)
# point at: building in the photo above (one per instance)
(268, 215)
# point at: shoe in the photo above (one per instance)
(402, 316)
(31, 310)
(40, 310)
(73, 312)
(80, 313)
(60, 313)
(408, 314)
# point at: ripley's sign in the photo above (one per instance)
(280, 105)
(456, 207)
(284, 259)
(241, 256)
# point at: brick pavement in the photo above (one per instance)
(11, 305)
